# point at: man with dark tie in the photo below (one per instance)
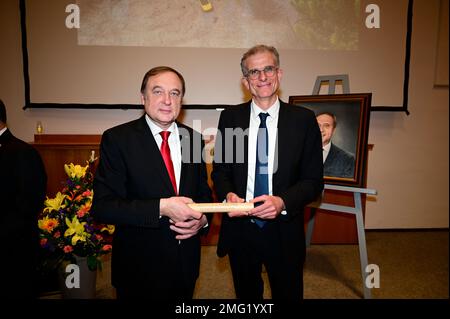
(279, 168)
(149, 170)
(23, 182)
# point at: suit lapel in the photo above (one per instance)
(331, 154)
(281, 146)
(242, 120)
(151, 151)
(6, 137)
(186, 156)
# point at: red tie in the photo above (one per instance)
(165, 152)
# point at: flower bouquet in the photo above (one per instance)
(66, 227)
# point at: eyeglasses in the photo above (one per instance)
(269, 71)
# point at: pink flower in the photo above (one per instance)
(86, 193)
(57, 234)
(43, 242)
(81, 213)
(68, 249)
(107, 247)
(84, 210)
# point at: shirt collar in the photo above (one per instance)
(156, 129)
(327, 147)
(272, 110)
(3, 130)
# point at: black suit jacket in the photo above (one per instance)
(298, 179)
(23, 184)
(129, 182)
(339, 163)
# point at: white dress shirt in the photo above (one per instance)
(3, 130)
(272, 124)
(174, 145)
(326, 151)
(175, 149)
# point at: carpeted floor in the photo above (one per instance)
(413, 264)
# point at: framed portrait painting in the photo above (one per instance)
(344, 125)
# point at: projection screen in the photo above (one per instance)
(101, 63)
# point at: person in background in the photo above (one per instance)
(281, 172)
(23, 183)
(336, 161)
(150, 170)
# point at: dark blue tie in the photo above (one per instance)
(262, 161)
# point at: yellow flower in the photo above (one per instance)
(75, 171)
(109, 228)
(54, 203)
(75, 228)
(47, 224)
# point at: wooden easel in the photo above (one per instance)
(357, 209)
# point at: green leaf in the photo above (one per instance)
(92, 262)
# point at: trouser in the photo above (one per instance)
(263, 246)
(174, 285)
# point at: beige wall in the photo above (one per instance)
(408, 165)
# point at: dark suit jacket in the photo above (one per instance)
(339, 163)
(129, 182)
(298, 179)
(23, 183)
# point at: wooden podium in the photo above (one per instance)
(57, 150)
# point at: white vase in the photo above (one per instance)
(77, 282)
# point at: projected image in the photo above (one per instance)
(287, 24)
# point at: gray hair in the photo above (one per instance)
(259, 49)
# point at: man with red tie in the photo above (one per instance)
(149, 170)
